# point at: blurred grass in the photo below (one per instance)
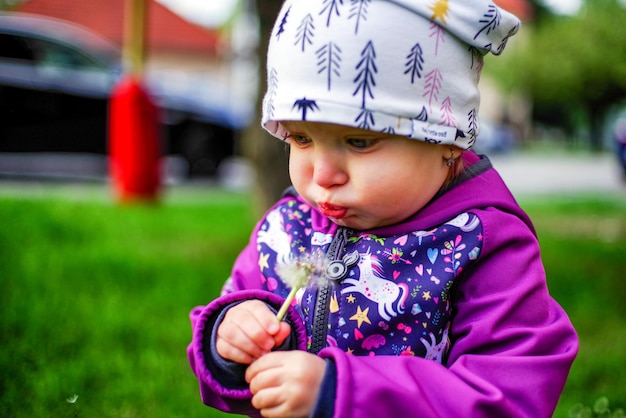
(583, 240)
(95, 296)
(95, 301)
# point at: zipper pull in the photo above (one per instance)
(338, 269)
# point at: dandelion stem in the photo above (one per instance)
(283, 309)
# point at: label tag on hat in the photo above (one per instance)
(436, 134)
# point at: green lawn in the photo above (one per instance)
(94, 297)
(583, 242)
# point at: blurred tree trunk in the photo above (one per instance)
(269, 156)
(597, 119)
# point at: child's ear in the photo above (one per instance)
(450, 152)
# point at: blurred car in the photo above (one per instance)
(495, 138)
(56, 79)
(619, 133)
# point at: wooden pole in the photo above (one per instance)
(135, 35)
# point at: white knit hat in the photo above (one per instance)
(404, 67)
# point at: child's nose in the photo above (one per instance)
(328, 169)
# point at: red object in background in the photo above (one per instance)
(134, 142)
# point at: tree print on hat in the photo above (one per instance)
(415, 62)
(331, 7)
(472, 118)
(305, 105)
(358, 11)
(306, 32)
(490, 21)
(447, 115)
(271, 92)
(329, 61)
(433, 82)
(366, 71)
(365, 81)
(439, 34)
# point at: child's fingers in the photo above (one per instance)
(244, 334)
(264, 379)
(250, 327)
(230, 352)
(284, 331)
(259, 322)
(286, 383)
(265, 317)
(271, 403)
(233, 344)
(262, 365)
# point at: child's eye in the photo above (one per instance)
(298, 139)
(360, 143)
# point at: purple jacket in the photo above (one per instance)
(447, 314)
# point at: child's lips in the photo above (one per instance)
(332, 211)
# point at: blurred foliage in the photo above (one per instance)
(573, 67)
(600, 409)
(541, 10)
(9, 4)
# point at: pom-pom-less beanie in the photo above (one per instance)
(403, 67)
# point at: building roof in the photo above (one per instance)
(166, 31)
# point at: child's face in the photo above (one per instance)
(363, 179)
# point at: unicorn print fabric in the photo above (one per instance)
(371, 65)
(411, 272)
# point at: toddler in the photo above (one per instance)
(433, 299)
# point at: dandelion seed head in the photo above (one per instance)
(309, 269)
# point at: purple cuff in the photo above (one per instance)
(213, 393)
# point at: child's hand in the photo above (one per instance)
(286, 383)
(248, 331)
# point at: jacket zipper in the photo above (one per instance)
(319, 328)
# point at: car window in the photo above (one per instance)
(53, 53)
(15, 48)
(44, 52)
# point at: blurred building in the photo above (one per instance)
(169, 37)
(521, 8)
(192, 57)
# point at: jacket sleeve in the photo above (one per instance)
(214, 391)
(217, 388)
(512, 345)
